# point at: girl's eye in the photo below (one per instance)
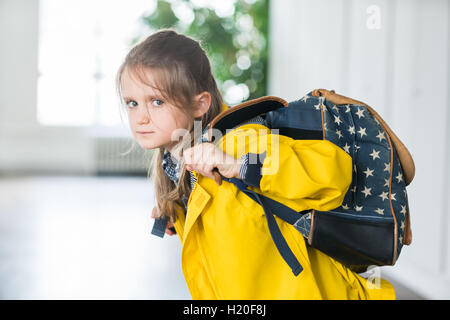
(157, 102)
(131, 103)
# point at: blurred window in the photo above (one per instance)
(81, 46)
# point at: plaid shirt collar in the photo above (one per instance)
(171, 166)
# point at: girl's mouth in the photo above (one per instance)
(145, 132)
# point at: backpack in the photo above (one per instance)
(372, 224)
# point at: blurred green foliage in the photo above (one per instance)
(234, 34)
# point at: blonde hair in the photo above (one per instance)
(182, 70)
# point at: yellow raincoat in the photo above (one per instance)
(227, 250)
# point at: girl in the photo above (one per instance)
(169, 92)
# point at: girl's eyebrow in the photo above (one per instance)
(147, 97)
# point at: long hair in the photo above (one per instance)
(182, 70)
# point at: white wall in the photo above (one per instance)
(403, 71)
(24, 145)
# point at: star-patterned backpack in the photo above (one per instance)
(372, 224)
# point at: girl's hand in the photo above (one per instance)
(203, 158)
(169, 224)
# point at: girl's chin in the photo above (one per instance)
(148, 146)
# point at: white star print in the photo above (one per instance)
(346, 148)
(347, 108)
(351, 130)
(360, 113)
(375, 154)
(354, 189)
(362, 132)
(358, 208)
(345, 207)
(380, 211)
(366, 191)
(357, 147)
(368, 172)
(383, 196)
(381, 136)
(386, 183)
(402, 226)
(339, 133)
(387, 167)
(399, 177)
(305, 98)
(335, 108)
(403, 209)
(317, 106)
(354, 167)
(393, 196)
(400, 239)
(337, 120)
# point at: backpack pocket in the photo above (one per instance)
(357, 241)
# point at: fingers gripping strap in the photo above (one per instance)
(275, 232)
(159, 227)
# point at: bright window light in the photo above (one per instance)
(81, 45)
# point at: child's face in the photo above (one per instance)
(148, 111)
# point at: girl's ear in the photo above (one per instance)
(202, 104)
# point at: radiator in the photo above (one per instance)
(114, 157)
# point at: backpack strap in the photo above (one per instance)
(241, 113)
(159, 227)
(283, 212)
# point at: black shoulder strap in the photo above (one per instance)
(159, 227)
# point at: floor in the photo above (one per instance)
(68, 237)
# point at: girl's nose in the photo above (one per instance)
(144, 118)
